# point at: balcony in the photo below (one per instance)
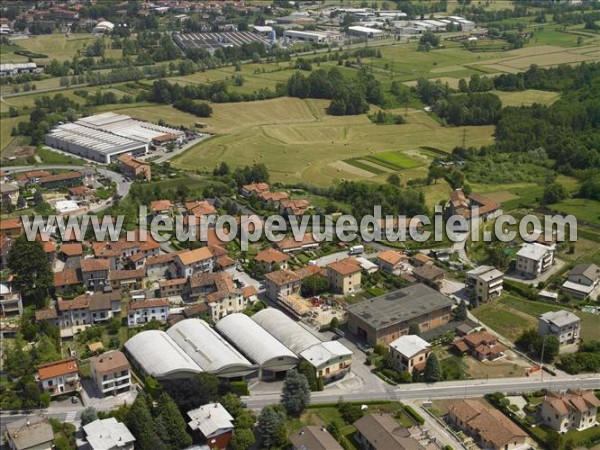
(497, 282)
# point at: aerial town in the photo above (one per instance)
(176, 181)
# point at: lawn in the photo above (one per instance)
(57, 46)
(6, 125)
(506, 322)
(396, 159)
(298, 142)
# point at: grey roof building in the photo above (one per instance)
(209, 350)
(257, 344)
(313, 438)
(385, 318)
(108, 434)
(286, 330)
(32, 432)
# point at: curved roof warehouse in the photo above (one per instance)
(155, 353)
(286, 330)
(257, 344)
(209, 350)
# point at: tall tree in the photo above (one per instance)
(461, 311)
(271, 426)
(242, 439)
(32, 271)
(170, 425)
(433, 369)
(295, 396)
(414, 329)
(88, 415)
(140, 423)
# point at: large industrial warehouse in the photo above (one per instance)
(103, 137)
(209, 350)
(154, 353)
(256, 343)
(331, 360)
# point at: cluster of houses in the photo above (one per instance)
(279, 200)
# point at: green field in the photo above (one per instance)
(299, 142)
(6, 125)
(56, 46)
(527, 97)
(582, 208)
(511, 315)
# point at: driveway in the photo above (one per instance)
(91, 397)
(558, 264)
(244, 278)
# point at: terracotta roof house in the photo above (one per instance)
(65, 279)
(200, 208)
(271, 257)
(290, 244)
(254, 188)
(421, 259)
(391, 260)
(189, 262)
(281, 282)
(70, 250)
(486, 424)
(573, 410)
(59, 377)
(110, 372)
(481, 345)
(161, 207)
(344, 276)
(429, 273)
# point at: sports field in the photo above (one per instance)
(299, 142)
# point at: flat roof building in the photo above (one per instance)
(31, 432)
(154, 353)
(209, 350)
(385, 318)
(259, 345)
(108, 434)
(104, 136)
(306, 36)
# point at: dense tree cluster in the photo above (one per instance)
(32, 272)
(198, 109)
(587, 359)
(470, 109)
(531, 342)
(348, 97)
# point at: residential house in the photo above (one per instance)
(171, 288)
(484, 283)
(11, 227)
(201, 209)
(73, 313)
(582, 280)
(70, 250)
(280, 283)
(126, 279)
(296, 207)
(272, 199)
(290, 244)
(314, 438)
(219, 293)
(461, 205)
(383, 432)
(144, 311)
(383, 319)
(534, 259)
(409, 353)
(481, 345)
(190, 262)
(421, 259)
(47, 314)
(110, 373)
(29, 433)
(565, 325)
(344, 276)
(89, 309)
(213, 423)
(134, 168)
(492, 429)
(61, 180)
(80, 193)
(66, 280)
(59, 377)
(161, 207)
(119, 253)
(95, 273)
(9, 194)
(254, 188)
(157, 266)
(429, 274)
(108, 434)
(11, 303)
(270, 257)
(391, 260)
(572, 410)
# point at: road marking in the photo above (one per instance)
(71, 416)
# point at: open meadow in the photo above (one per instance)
(56, 46)
(298, 142)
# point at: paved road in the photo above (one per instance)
(450, 389)
(122, 185)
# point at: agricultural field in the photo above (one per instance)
(298, 142)
(582, 208)
(55, 46)
(6, 125)
(527, 97)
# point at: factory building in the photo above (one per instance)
(15, 69)
(306, 36)
(103, 137)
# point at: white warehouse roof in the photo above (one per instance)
(286, 330)
(156, 354)
(256, 343)
(320, 354)
(208, 349)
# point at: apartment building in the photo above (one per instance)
(410, 353)
(144, 311)
(565, 325)
(110, 372)
(344, 276)
(534, 259)
(484, 283)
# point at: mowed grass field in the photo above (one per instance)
(57, 46)
(299, 142)
(527, 97)
(510, 316)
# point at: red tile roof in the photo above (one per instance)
(57, 368)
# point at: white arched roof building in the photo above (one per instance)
(209, 350)
(286, 330)
(155, 353)
(257, 344)
(104, 26)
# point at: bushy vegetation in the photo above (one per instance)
(587, 359)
